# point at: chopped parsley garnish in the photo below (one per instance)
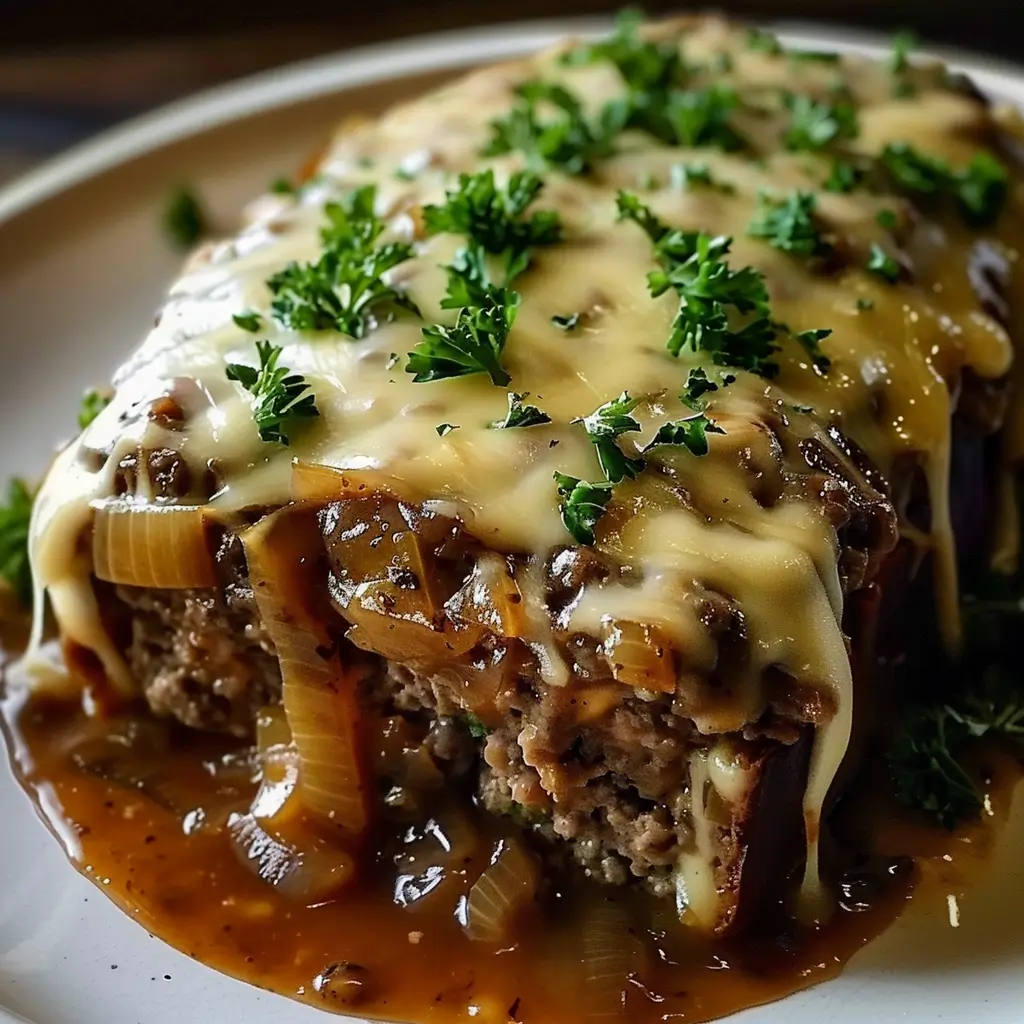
(603, 426)
(470, 283)
(789, 224)
(473, 345)
(845, 177)
(887, 219)
(520, 415)
(687, 176)
(279, 396)
(476, 728)
(813, 56)
(344, 288)
(962, 700)
(569, 141)
(184, 220)
(864, 304)
(283, 187)
(761, 41)
(93, 403)
(811, 343)
(248, 321)
(569, 322)
(692, 264)
(979, 189)
(698, 384)
(582, 505)
(445, 428)
(813, 125)
(700, 117)
(690, 433)
(903, 43)
(884, 265)
(493, 218)
(644, 65)
(15, 517)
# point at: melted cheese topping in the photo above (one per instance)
(895, 370)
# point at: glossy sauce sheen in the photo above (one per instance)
(154, 842)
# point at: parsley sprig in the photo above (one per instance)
(474, 344)
(494, 218)
(93, 403)
(566, 140)
(15, 517)
(978, 695)
(344, 288)
(279, 396)
(979, 189)
(606, 423)
(692, 264)
(814, 124)
(520, 415)
(582, 505)
(789, 224)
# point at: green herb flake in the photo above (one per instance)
(445, 428)
(520, 415)
(493, 217)
(582, 505)
(903, 44)
(93, 403)
(476, 728)
(692, 264)
(183, 218)
(980, 189)
(697, 385)
(884, 265)
(811, 343)
(248, 321)
(473, 345)
(283, 187)
(813, 56)
(789, 225)
(343, 290)
(644, 66)
(279, 396)
(603, 426)
(844, 177)
(690, 433)
(686, 176)
(760, 41)
(863, 305)
(887, 219)
(814, 125)
(568, 141)
(15, 517)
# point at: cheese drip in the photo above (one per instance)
(898, 352)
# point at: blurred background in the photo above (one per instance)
(71, 67)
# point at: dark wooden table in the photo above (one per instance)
(69, 68)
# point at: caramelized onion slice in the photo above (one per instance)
(640, 655)
(490, 597)
(612, 955)
(319, 692)
(502, 893)
(162, 546)
(304, 866)
(320, 485)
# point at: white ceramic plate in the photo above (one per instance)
(82, 267)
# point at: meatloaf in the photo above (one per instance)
(597, 413)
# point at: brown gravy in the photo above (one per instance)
(141, 808)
